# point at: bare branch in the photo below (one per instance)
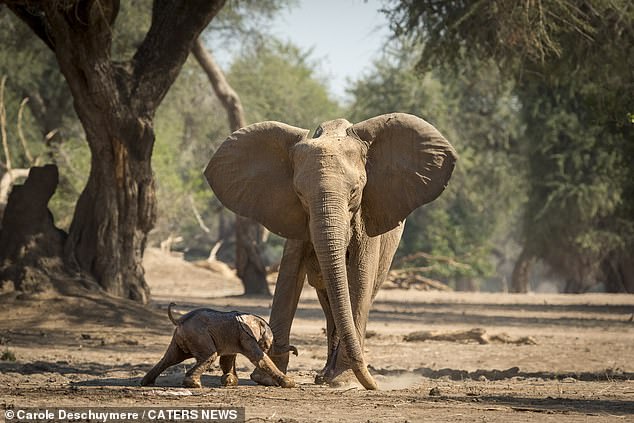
(214, 251)
(35, 20)
(175, 26)
(199, 218)
(3, 126)
(7, 181)
(27, 153)
(225, 93)
(449, 260)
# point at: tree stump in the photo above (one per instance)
(31, 246)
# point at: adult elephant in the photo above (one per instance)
(341, 199)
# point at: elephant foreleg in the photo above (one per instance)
(288, 288)
(363, 266)
(333, 339)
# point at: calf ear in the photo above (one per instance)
(257, 328)
(250, 325)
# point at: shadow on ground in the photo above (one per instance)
(513, 372)
(556, 405)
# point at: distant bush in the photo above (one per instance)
(7, 355)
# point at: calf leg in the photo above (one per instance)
(172, 356)
(228, 366)
(262, 361)
(205, 353)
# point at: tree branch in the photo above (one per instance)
(225, 93)
(157, 62)
(37, 22)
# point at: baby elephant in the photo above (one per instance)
(205, 334)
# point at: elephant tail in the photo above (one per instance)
(170, 315)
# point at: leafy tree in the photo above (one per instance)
(279, 81)
(580, 153)
(187, 137)
(115, 102)
(571, 62)
(477, 112)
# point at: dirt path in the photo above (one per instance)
(93, 351)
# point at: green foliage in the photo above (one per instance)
(189, 125)
(573, 63)
(476, 111)
(278, 81)
(274, 82)
(505, 31)
(7, 355)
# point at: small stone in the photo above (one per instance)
(434, 392)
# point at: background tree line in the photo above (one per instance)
(533, 96)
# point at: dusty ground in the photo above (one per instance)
(87, 350)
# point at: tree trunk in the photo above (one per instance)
(618, 272)
(30, 244)
(521, 272)
(114, 214)
(466, 285)
(249, 234)
(116, 103)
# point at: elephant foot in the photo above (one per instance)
(189, 382)
(340, 380)
(147, 382)
(260, 377)
(229, 379)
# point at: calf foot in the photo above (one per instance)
(190, 382)
(287, 382)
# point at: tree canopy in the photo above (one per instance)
(570, 63)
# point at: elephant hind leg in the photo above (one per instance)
(205, 355)
(172, 356)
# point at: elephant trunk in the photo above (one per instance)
(329, 232)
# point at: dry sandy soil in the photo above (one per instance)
(88, 350)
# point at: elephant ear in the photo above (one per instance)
(409, 164)
(251, 174)
(250, 325)
(257, 328)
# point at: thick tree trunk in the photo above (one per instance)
(521, 272)
(116, 103)
(114, 214)
(30, 244)
(249, 263)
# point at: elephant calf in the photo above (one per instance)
(205, 334)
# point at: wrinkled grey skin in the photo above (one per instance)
(341, 199)
(205, 334)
